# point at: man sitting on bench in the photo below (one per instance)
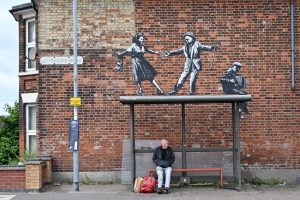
(164, 158)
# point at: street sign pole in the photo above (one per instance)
(76, 150)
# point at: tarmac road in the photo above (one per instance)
(116, 192)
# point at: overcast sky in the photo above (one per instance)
(9, 51)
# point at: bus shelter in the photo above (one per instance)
(234, 100)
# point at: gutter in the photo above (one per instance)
(293, 45)
(24, 9)
(35, 4)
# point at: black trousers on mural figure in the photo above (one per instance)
(243, 106)
(193, 73)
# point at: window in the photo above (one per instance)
(30, 44)
(31, 127)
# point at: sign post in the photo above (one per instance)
(75, 152)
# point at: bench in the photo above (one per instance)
(220, 170)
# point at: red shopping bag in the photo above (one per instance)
(148, 184)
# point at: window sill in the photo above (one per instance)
(28, 73)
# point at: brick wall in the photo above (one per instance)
(27, 83)
(256, 34)
(103, 27)
(12, 178)
(101, 24)
(22, 128)
(30, 177)
(34, 175)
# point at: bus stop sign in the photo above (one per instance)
(73, 135)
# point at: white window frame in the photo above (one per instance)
(29, 132)
(30, 44)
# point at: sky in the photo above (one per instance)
(9, 51)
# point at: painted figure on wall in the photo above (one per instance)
(142, 70)
(234, 83)
(191, 50)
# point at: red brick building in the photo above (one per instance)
(255, 33)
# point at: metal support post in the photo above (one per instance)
(236, 145)
(76, 151)
(238, 156)
(132, 146)
(233, 143)
(183, 138)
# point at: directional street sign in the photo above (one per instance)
(60, 60)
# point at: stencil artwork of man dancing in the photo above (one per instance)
(191, 50)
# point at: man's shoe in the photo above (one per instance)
(241, 116)
(166, 190)
(159, 191)
(173, 92)
(140, 92)
(160, 92)
(191, 93)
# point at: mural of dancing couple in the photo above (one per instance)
(142, 70)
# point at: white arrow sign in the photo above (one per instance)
(60, 60)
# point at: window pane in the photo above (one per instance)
(31, 118)
(30, 45)
(31, 63)
(31, 32)
(32, 143)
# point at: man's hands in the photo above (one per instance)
(215, 46)
(167, 53)
(232, 80)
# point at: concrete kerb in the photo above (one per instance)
(118, 191)
(290, 192)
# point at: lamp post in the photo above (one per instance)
(75, 83)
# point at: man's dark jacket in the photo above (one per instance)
(157, 157)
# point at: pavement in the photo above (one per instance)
(122, 192)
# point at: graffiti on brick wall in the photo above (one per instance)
(234, 83)
(142, 70)
(192, 50)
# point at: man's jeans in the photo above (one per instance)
(160, 174)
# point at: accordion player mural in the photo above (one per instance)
(234, 83)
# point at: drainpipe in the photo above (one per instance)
(292, 44)
(34, 5)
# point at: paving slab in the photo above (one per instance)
(118, 191)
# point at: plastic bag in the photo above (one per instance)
(148, 184)
(137, 184)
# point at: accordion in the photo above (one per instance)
(241, 81)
